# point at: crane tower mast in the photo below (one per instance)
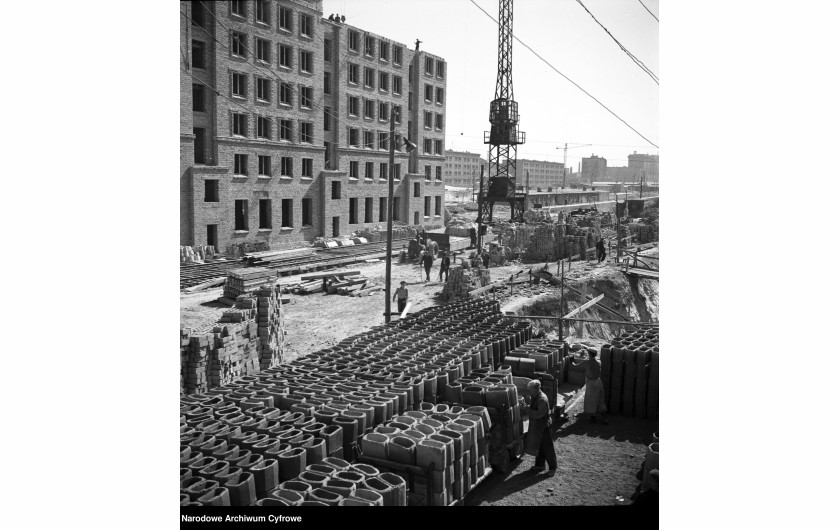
(504, 134)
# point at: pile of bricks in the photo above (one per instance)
(537, 216)
(243, 281)
(541, 246)
(255, 342)
(630, 373)
(461, 281)
(376, 234)
(644, 233)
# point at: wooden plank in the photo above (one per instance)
(644, 273)
(405, 311)
(212, 283)
(599, 304)
(585, 306)
(328, 274)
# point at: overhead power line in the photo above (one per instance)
(635, 59)
(567, 78)
(648, 10)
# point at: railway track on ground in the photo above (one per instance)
(320, 259)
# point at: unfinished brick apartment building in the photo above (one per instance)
(285, 120)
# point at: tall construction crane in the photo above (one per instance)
(504, 133)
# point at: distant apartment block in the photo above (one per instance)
(462, 169)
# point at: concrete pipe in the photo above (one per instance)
(291, 463)
(290, 497)
(321, 468)
(298, 486)
(313, 478)
(266, 476)
(375, 445)
(242, 490)
(384, 490)
(340, 487)
(365, 469)
(270, 501)
(316, 450)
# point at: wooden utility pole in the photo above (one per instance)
(390, 242)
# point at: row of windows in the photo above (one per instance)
(265, 168)
(263, 15)
(267, 129)
(370, 48)
(431, 146)
(266, 213)
(435, 67)
(353, 212)
(370, 78)
(369, 109)
(264, 91)
(367, 139)
(264, 49)
(432, 119)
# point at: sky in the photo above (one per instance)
(552, 110)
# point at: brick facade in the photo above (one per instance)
(327, 154)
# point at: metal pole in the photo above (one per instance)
(390, 222)
(565, 149)
(479, 239)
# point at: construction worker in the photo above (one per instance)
(444, 267)
(593, 401)
(401, 296)
(539, 441)
(473, 237)
(601, 250)
(485, 259)
(427, 263)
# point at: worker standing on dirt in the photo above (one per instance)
(473, 237)
(593, 401)
(401, 296)
(539, 442)
(602, 252)
(485, 259)
(444, 267)
(427, 263)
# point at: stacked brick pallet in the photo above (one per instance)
(242, 281)
(241, 442)
(461, 281)
(377, 234)
(630, 373)
(541, 246)
(234, 350)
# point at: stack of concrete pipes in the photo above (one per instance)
(630, 373)
(249, 437)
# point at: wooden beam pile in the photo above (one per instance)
(243, 281)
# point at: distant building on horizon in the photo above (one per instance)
(541, 174)
(593, 169)
(462, 168)
(645, 164)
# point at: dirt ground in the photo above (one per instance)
(316, 321)
(597, 465)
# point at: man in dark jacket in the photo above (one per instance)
(444, 267)
(427, 261)
(602, 252)
(539, 429)
(485, 259)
